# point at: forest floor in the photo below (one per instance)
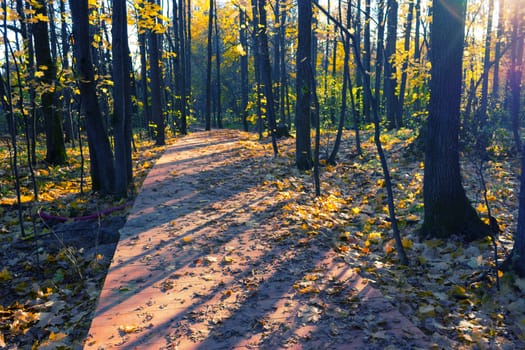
(446, 298)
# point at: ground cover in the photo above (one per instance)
(50, 281)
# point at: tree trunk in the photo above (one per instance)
(516, 70)
(344, 91)
(303, 146)
(121, 98)
(208, 67)
(180, 64)
(447, 208)
(367, 54)
(390, 80)
(55, 146)
(266, 73)
(417, 51)
(156, 89)
(69, 126)
(218, 85)
(146, 107)
(101, 158)
(481, 113)
(497, 50)
(516, 260)
(404, 72)
(187, 55)
(244, 68)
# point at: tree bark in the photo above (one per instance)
(447, 208)
(55, 146)
(390, 80)
(497, 50)
(218, 85)
(244, 68)
(121, 99)
(146, 107)
(208, 67)
(516, 260)
(516, 70)
(266, 72)
(101, 157)
(367, 54)
(404, 69)
(155, 89)
(303, 147)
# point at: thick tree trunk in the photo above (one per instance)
(447, 209)
(55, 146)
(101, 158)
(155, 89)
(516, 71)
(218, 85)
(180, 63)
(266, 73)
(121, 98)
(303, 146)
(516, 260)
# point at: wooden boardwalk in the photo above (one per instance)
(204, 263)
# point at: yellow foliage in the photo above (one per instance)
(407, 243)
(5, 275)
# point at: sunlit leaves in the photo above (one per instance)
(151, 17)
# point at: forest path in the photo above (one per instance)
(204, 261)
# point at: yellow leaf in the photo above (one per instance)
(228, 260)
(187, 239)
(240, 50)
(458, 292)
(412, 217)
(308, 289)
(128, 328)
(311, 277)
(407, 243)
(374, 236)
(5, 275)
(481, 208)
(57, 336)
(356, 210)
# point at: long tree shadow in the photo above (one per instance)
(205, 261)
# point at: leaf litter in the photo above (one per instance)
(448, 290)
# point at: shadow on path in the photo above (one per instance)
(206, 262)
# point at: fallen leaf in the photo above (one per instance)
(5, 275)
(228, 260)
(210, 259)
(128, 329)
